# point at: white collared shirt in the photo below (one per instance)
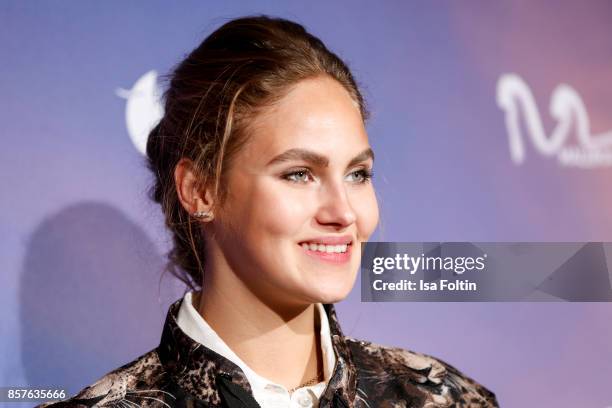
(267, 393)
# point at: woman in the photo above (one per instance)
(263, 169)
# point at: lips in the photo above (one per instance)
(334, 249)
(325, 248)
(330, 240)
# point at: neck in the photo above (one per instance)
(280, 344)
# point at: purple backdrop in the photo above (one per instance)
(81, 244)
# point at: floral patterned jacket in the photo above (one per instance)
(183, 373)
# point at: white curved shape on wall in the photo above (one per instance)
(566, 106)
(143, 109)
(513, 95)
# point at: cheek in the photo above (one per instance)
(366, 208)
(278, 210)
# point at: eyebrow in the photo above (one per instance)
(317, 159)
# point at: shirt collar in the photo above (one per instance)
(195, 366)
(196, 327)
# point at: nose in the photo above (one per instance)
(336, 209)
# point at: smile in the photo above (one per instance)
(336, 254)
(325, 248)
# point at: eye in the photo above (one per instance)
(361, 176)
(299, 176)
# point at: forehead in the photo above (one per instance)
(317, 114)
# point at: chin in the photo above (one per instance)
(331, 298)
(331, 292)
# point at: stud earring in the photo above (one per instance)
(203, 214)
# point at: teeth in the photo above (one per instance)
(325, 248)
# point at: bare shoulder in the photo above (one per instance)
(135, 382)
(424, 377)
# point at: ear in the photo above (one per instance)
(192, 195)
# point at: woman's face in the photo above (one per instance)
(299, 198)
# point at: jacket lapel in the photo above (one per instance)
(340, 391)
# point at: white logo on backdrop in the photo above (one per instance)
(143, 109)
(587, 151)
